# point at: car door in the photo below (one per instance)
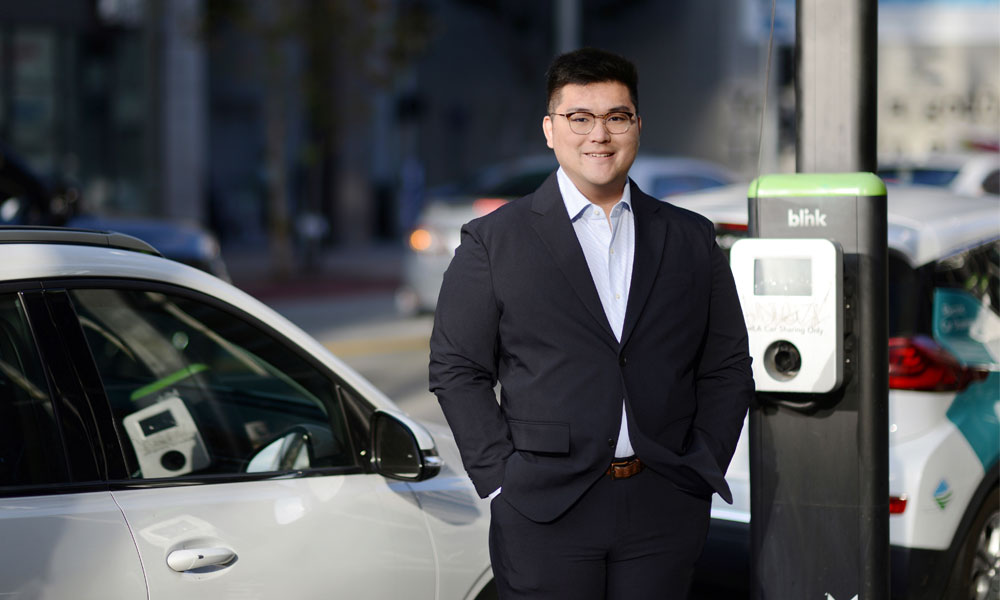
(62, 534)
(247, 469)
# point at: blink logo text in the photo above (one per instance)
(806, 218)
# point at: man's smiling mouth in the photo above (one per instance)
(599, 154)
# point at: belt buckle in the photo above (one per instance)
(626, 467)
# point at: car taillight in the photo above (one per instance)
(730, 227)
(726, 234)
(897, 504)
(919, 363)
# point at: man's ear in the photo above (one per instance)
(547, 130)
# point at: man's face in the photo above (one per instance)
(597, 162)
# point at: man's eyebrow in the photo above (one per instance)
(621, 108)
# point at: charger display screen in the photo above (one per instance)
(157, 423)
(782, 277)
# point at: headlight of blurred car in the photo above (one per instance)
(426, 240)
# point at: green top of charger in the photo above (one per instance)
(816, 184)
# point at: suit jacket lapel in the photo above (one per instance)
(650, 235)
(554, 227)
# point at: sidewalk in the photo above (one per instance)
(342, 271)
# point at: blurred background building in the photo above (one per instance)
(308, 123)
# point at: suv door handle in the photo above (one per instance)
(196, 558)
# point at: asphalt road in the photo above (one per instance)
(391, 351)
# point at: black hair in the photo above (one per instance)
(591, 65)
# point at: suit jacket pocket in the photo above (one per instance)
(540, 436)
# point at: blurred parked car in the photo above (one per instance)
(969, 174)
(165, 435)
(433, 241)
(944, 397)
(28, 199)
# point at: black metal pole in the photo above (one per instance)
(836, 77)
(836, 54)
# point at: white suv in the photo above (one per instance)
(164, 435)
(944, 396)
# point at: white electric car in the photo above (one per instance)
(944, 397)
(165, 435)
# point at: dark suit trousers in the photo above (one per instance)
(625, 539)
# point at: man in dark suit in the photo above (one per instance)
(612, 323)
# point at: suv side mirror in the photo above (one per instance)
(397, 454)
(302, 446)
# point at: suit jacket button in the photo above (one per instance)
(622, 360)
(611, 442)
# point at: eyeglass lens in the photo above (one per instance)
(582, 122)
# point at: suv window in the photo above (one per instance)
(198, 391)
(976, 272)
(911, 291)
(991, 183)
(31, 451)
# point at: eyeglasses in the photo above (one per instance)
(583, 122)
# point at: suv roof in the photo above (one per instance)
(16, 234)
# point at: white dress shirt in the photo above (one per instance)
(608, 244)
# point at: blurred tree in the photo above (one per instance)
(335, 51)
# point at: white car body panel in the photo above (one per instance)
(913, 414)
(424, 270)
(916, 470)
(360, 525)
(449, 503)
(738, 478)
(48, 549)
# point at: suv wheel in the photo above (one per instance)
(977, 569)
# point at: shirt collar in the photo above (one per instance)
(576, 202)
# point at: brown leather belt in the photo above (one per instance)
(624, 468)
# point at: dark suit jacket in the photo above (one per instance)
(518, 305)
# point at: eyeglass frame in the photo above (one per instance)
(603, 118)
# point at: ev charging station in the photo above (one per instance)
(812, 285)
(792, 301)
(819, 466)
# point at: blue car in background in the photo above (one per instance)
(28, 199)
